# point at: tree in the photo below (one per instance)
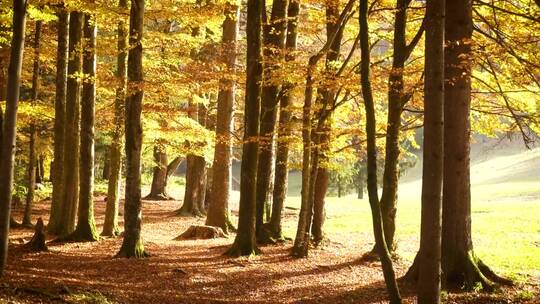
(158, 189)
(429, 264)
(284, 129)
(274, 42)
(218, 209)
(9, 131)
(32, 158)
(72, 138)
(245, 243)
(132, 244)
(110, 225)
(371, 152)
(59, 121)
(397, 98)
(460, 266)
(86, 226)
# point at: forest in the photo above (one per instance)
(270, 151)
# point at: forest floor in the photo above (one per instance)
(506, 232)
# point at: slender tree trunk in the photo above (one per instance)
(7, 154)
(71, 136)
(378, 228)
(361, 179)
(132, 245)
(218, 209)
(110, 226)
(106, 165)
(27, 217)
(284, 129)
(59, 122)
(245, 241)
(40, 169)
(86, 225)
(274, 42)
(429, 276)
(324, 126)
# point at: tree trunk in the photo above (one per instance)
(461, 268)
(59, 122)
(86, 225)
(361, 179)
(245, 241)
(274, 42)
(32, 159)
(106, 165)
(218, 209)
(158, 190)
(40, 169)
(132, 244)
(71, 137)
(110, 225)
(378, 228)
(7, 154)
(284, 130)
(429, 276)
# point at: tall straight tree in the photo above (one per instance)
(397, 98)
(218, 209)
(32, 158)
(132, 244)
(429, 271)
(86, 225)
(284, 129)
(71, 136)
(59, 120)
(245, 241)
(460, 266)
(274, 42)
(9, 131)
(110, 225)
(378, 229)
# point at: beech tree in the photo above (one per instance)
(245, 240)
(429, 255)
(132, 244)
(218, 209)
(110, 225)
(9, 127)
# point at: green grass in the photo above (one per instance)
(505, 215)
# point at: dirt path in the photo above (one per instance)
(196, 271)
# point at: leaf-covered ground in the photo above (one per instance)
(195, 271)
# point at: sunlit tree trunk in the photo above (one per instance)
(59, 122)
(429, 275)
(86, 226)
(32, 158)
(281, 173)
(9, 132)
(132, 244)
(245, 241)
(110, 225)
(378, 229)
(274, 42)
(218, 209)
(158, 189)
(71, 136)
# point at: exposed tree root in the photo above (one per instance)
(130, 250)
(473, 274)
(37, 243)
(242, 248)
(158, 197)
(201, 232)
(79, 235)
(301, 250)
(186, 212)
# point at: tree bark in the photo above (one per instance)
(106, 165)
(32, 159)
(378, 228)
(274, 42)
(132, 244)
(71, 136)
(158, 190)
(429, 279)
(7, 154)
(218, 209)
(284, 129)
(245, 241)
(59, 122)
(110, 225)
(86, 225)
